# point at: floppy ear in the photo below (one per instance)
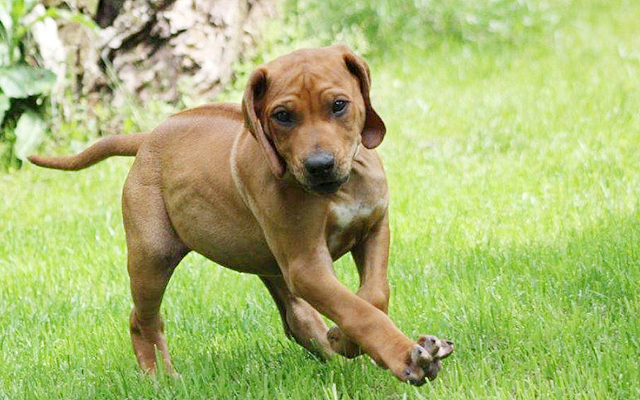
(252, 111)
(374, 129)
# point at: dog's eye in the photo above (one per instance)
(338, 107)
(283, 117)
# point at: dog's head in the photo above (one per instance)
(310, 111)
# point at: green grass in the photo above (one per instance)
(515, 179)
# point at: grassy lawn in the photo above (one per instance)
(515, 178)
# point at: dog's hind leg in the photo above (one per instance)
(301, 321)
(154, 250)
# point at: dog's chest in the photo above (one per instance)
(349, 219)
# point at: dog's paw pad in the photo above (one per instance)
(425, 359)
(438, 349)
(420, 356)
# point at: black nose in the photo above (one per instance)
(319, 163)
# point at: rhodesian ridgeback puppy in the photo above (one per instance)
(280, 187)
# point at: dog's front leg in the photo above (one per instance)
(310, 275)
(371, 257)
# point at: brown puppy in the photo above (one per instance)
(280, 188)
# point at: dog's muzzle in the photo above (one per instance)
(321, 173)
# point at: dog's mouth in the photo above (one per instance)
(328, 186)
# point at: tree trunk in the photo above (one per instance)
(160, 48)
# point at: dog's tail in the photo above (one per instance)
(115, 145)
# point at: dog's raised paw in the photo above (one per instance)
(425, 359)
(438, 349)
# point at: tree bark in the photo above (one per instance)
(161, 48)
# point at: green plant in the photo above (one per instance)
(24, 88)
(21, 85)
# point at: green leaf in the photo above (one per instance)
(17, 11)
(4, 54)
(4, 106)
(6, 22)
(6, 35)
(59, 13)
(23, 81)
(29, 132)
